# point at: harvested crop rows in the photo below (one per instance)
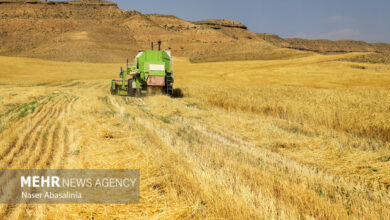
(36, 141)
(208, 154)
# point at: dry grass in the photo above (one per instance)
(288, 139)
(245, 50)
(381, 58)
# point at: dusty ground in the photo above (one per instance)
(288, 139)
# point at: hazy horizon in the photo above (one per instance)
(333, 20)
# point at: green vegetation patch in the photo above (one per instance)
(189, 134)
(19, 111)
(165, 119)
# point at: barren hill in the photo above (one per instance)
(323, 45)
(379, 52)
(96, 31)
(99, 31)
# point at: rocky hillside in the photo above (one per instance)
(324, 46)
(99, 31)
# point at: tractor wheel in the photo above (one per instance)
(137, 92)
(114, 91)
(168, 90)
(111, 90)
(130, 89)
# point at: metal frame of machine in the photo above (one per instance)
(151, 72)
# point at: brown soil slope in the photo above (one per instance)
(325, 46)
(377, 52)
(99, 31)
(95, 31)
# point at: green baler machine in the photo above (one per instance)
(150, 73)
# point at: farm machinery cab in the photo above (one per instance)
(150, 73)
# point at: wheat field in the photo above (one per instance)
(301, 138)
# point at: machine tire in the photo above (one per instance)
(137, 92)
(130, 89)
(111, 90)
(168, 88)
(170, 91)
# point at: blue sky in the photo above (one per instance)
(331, 19)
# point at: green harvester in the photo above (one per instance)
(151, 73)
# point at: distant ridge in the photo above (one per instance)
(80, 2)
(99, 31)
(323, 45)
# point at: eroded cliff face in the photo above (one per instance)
(61, 9)
(218, 24)
(99, 31)
(323, 45)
